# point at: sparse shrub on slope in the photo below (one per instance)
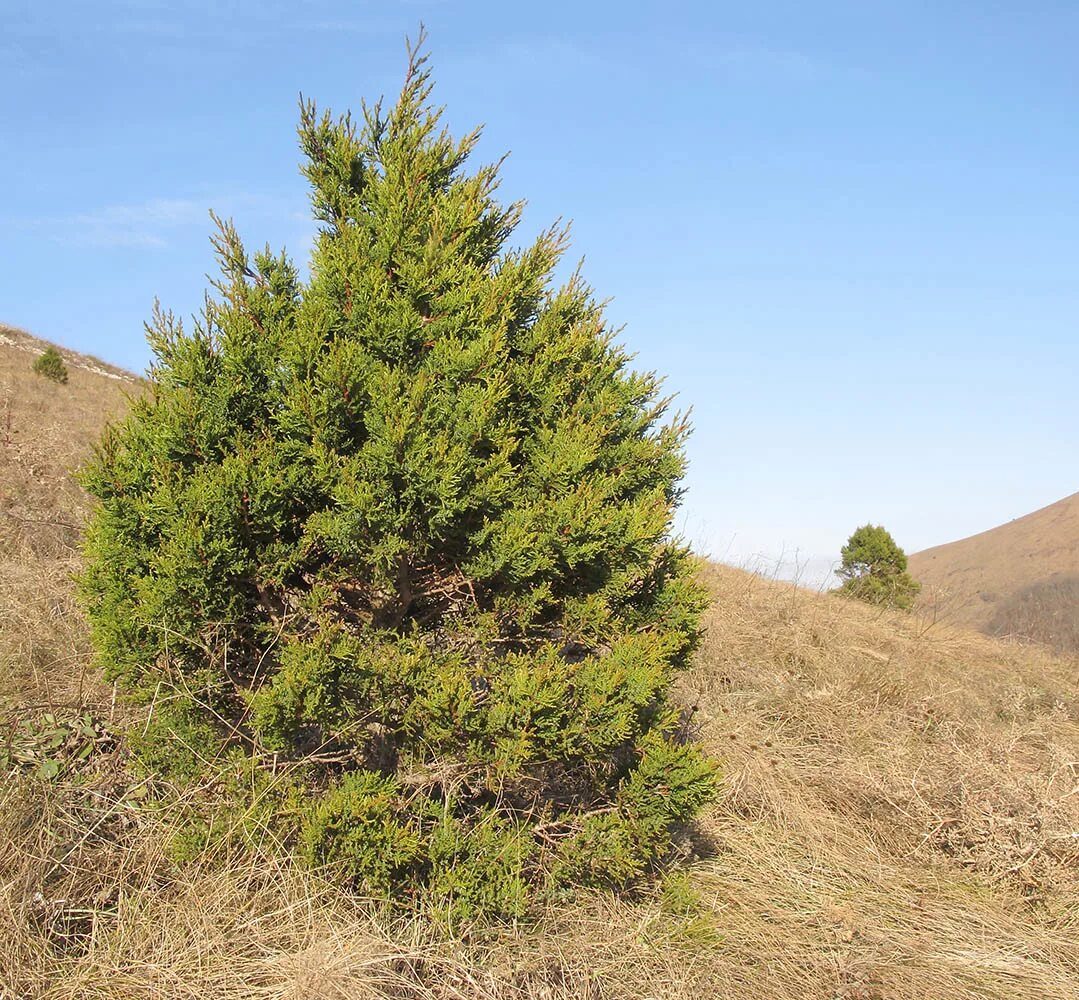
(874, 569)
(50, 364)
(409, 523)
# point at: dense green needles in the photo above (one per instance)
(50, 364)
(401, 534)
(874, 569)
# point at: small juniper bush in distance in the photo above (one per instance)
(50, 364)
(874, 569)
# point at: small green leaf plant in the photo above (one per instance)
(405, 528)
(49, 746)
(51, 365)
(874, 569)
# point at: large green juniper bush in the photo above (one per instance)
(402, 532)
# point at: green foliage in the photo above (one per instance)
(669, 785)
(684, 919)
(874, 569)
(234, 803)
(177, 743)
(362, 830)
(409, 524)
(51, 746)
(482, 866)
(51, 365)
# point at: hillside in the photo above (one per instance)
(1020, 578)
(45, 431)
(899, 816)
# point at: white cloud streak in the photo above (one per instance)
(155, 223)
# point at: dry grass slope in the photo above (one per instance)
(900, 819)
(970, 581)
(1045, 612)
(46, 430)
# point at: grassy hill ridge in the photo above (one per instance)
(1020, 578)
(900, 814)
(20, 340)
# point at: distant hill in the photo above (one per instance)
(46, 431)
(14, 339)
(1019, 579)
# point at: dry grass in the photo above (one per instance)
(973, 580)
(46, 431)
(900, 819)
(1045, 612)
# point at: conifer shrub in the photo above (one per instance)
(404, 528)
(874, 569)
(51, 365)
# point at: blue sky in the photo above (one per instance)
(846, 231)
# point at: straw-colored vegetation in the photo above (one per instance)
(1046, 612)
(46, 429)
(900, 813)
(1017, 579)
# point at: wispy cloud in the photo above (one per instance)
(155, 223)
(141, 225)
